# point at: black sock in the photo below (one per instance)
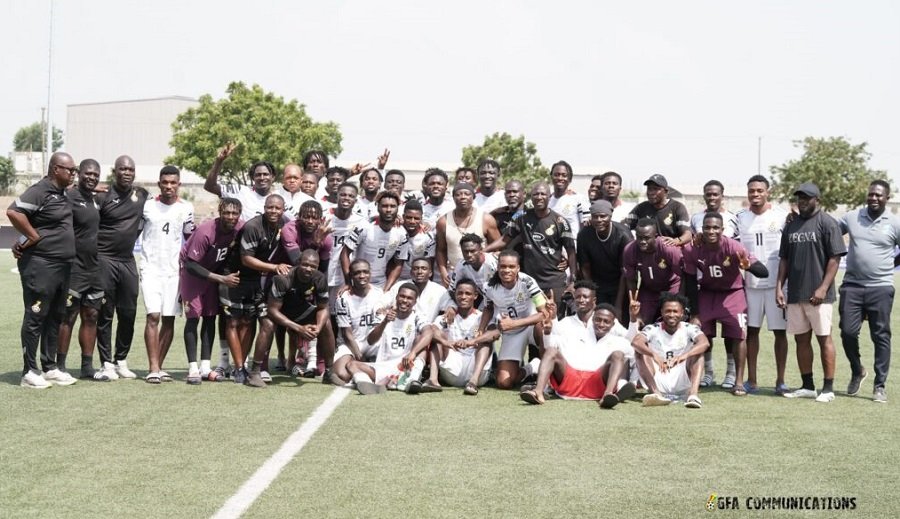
(87, 368)
(61, 361)
(826, 386)
(808, 381)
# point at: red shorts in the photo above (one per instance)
(586, 385)
(728, 308)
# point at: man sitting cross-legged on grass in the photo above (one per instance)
(459, 355)
(584, 369)
(398, 332)
(299, 302)
(670, 355)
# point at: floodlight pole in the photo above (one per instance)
(49, 83)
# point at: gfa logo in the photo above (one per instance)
(722, 503)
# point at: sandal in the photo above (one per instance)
(431, 387)
(739, 390)
(530, 396)
(470, 389)
(609, 401)
(216, 375)
(165, 377)
(693, 402)
(193, 378)
(152, 378)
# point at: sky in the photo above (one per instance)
(693, 90)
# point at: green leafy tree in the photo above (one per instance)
(263, 126)
(31, 138)
(518, 158)
(7, 176)
(838, 167)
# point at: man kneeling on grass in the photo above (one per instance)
(670, 355)
(580, 369)
(459, 355)
(399, 330)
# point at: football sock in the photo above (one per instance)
(808, 381)
(61, 361)
(87, 368)
(827, 385)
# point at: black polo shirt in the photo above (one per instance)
(121, 221)
(300, 299)
(86, 219)
(671, 220)
(546, 242)
(261, 242)
(48, 211)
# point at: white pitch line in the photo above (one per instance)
(265, 475)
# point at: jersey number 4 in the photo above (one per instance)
(165, 228)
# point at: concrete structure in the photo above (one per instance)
(139, 128)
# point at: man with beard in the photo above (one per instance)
(381, 243)
(670, 356)
(168, 222)
(713, 196)
(298, 301)
(488, 196)
(43, 215)
(308, 231)
(657, 263)
(672, 220)
(370, 183)
(203, 259)
(121, 218)
(85, 286)
(355, 316)
(253, 199)
(610, 189)
(547, 240)
(334, 177)
(475, 265)
(260, 252)
(599, 252)
(342, 220)
(422, 243)
(514, 194)
(433, 297)
(811, 250)
(465, 218)
(436, 203)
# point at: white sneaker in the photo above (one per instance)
(109, 369)
(265, 376)
(825, 397)
(803, 393)
(123, 371)
(34, 380)
(60, 378)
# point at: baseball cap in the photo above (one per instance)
(601, 207)
(657, 179)
(809, 189)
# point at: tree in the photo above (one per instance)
(261, 124)
(7, 175)
(839, 168)
(31, 138)
(518, 159)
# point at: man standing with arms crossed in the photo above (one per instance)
(868, 287)
(121, 215)
(811, 249)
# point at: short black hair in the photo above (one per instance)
(672, 297)
(344, 172)
(412, 205)
(611, 174)
(714, 214)
(882, 183)
(395, 172)
(714, 183)
(225, 202)
(647, 222)
(430, 172)
(471, 238)
(488, 162)
(609, 308)
(409, 285)
(348, 184)
(758, 178)
(467, 281)
(169, 170)
(584, 283)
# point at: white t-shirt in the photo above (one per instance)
(252, 203)
(431, 213)
(489, 203)
(292, 202)
(620, 212)
(165, 227)
(761, 236)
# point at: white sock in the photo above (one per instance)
(532, 367)
(192, 367)
(417, 367)
(709, 366)
(311, 356)
(359, 376)
(205, 365)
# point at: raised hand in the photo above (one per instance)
(226, 151)
(383, 158)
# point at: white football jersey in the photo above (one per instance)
(729, 223)
(431, 213)
(669, 346)
(481, 276)
(422, 245)
(461, 329)
(517, 302)
(252, 203)
(358, 313)
(371, 243)
(429, 303)
(761, 236)
(165, 228)
(398, 337)
(489, 203)
(574, 208)
(340, 230)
